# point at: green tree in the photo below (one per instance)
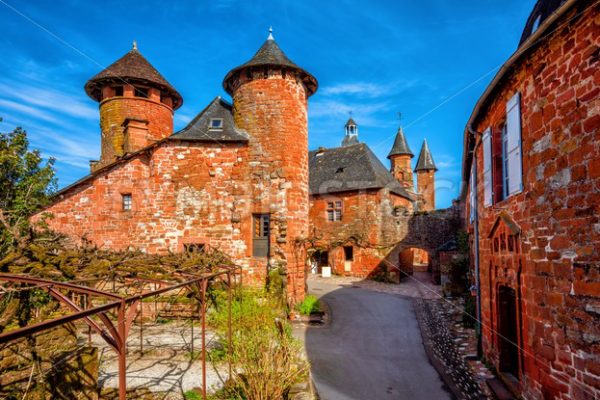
(26, 183)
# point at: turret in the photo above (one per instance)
(400, 158)
(351, 133)
(270, 96)
(425, 170)
(136, 106)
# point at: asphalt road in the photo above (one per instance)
(371, 349)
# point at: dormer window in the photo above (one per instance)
(216, 123)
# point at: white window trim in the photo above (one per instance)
(212, 128)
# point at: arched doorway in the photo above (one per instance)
(415, 261)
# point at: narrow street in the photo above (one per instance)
(370, 349)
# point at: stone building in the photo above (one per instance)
(532, 178)
(235, 178)
(360, 211)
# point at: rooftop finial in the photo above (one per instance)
(400, 118)
(270, 34)
(134, 47)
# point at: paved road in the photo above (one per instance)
(371, 350)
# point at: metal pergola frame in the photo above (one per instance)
(125, 306)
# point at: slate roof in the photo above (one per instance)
(350, 122)
(199, 130)
(349, 140)
(542, 9)
(270, 54)
(425, 161)
(400, 146)
(131, 68)
(349, 168)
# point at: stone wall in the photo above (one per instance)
(271, 106)
(157, 119)
(554, 262)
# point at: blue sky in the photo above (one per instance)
(429, 59)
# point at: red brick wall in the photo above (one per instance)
(402, 170)
(182, 193)
(557, 269)
(114, 111)
(426, 189)
(361, 227)
(271, 106)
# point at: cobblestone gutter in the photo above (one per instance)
(450, 348)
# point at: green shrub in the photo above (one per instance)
(266, 358)
(309, 305)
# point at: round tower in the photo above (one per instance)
(270, 96)
(136, 106)
(400, 158)
(425, 170)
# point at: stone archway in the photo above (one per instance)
(426, 231)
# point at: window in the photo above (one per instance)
(126, 201)
(194, 247)
(118, 90)
(514, 167)
(502, 161)
(487, 167)
(334, 210)
(260, 235)
(216, 123)
(348, 253)
(141, 92)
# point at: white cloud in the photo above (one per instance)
(362, 89)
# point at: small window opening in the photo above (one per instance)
(118, 90)
(126, 201)
(216, 123)
(339, 170)
(334, 211)
(194, 247)
(349, 253)
(142, 92)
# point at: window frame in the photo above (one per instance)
(334, 211)
(126, 202)
(215, 128)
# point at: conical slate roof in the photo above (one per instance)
(400, 146)
(270, 55)
(425, 161)
(131, 68)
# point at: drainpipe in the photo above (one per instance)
(476, 242)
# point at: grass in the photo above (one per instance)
(309, 305)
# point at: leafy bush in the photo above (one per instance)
(266, 359)
(309, 305)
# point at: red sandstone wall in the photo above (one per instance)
(558, 213)
(402, 170)
(114, 111)
(426, 188)
(361, 227)
(183, 193)
(272, 107)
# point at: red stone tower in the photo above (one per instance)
(270, 96)
(136, 106)
(425, 170)
(400, 157)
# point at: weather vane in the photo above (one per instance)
(399, 117)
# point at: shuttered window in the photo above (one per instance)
(472, 194)
(514, 170)
(487, 167)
